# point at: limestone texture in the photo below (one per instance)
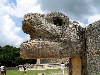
(54, 35)
(93, 48)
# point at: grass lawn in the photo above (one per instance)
(32, 72)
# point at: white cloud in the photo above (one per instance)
(82, 24)
(9, 31)
(94, 18)
(25, 6)
(22, 7)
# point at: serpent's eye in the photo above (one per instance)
(57, 21)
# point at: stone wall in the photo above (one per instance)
(93, 48)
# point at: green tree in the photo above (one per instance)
(10, 56)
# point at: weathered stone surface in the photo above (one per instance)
(93, 48)
(54, 36)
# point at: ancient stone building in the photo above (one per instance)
(53, 35)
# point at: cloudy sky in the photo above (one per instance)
(12, 11)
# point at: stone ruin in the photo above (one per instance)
(53, 35)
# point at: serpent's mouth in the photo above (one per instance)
(43, 49)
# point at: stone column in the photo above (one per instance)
(75, 66)
(38, 61)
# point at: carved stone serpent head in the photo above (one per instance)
(52, 35)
